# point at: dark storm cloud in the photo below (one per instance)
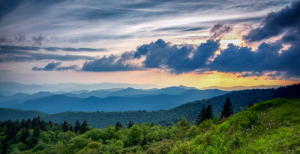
(219, 29)
(54, 67)
(8, 48)
(160, 53)
(286, 21)
(111, 63)
(186, 58)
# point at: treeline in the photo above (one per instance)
(16, 135)
(28, 131)
(232, 134)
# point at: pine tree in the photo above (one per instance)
(77, 126)
(22, 124)
(130, 124)
(50, 123)
(118, 126)
(152, 124)
(43, 125)
(227, 109)
(65, 126)
(251, 104)
(200, 116)
(83, 127)
(71, 128)
(24, 134)
(208, 113)
(35, 136)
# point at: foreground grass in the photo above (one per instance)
(267, 127)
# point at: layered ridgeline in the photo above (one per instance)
(267, 127)
(240, 99)
(128, 99)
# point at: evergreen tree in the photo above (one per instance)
(22, 124)
(83, 127)
(65, 126)
(251, 104)
(50, 123)
(35, 136)
(130, 124)
(71, 128)
(118, 126)
(39, 120)
(77, 126)
(24, 134)
(35, 122)
(200, 116)
(28, 124)
(152, 124)
(208, 113)
(43, 125)
(227, 109)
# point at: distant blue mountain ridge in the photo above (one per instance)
(116, 99)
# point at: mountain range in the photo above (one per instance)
(189, 110)
(116, 99)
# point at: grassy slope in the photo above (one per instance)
(268, 127)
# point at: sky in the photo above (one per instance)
(196, 43)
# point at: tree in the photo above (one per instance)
(251, 104)
(65, 126)
(208, 113)
(71, 128)
(227, 109)
(84, 127)
(118, 126)
(35, 136)
(24, 134)
(130, 124)
(50, 123)
(135, 134)
(200, 116)
(152, 124)
(77, 126)
(43, 125)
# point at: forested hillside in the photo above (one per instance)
(13, 114)
(239, 99)
(267, 127)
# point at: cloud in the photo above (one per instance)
(50, 67)
(21, 56)
(111, 63)
(31, 53)
(21, 38)
(219, 30)
(33, 48)
(4, 40)
(285, 21)
(54, 67)
(269, 57)
(38, 40)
